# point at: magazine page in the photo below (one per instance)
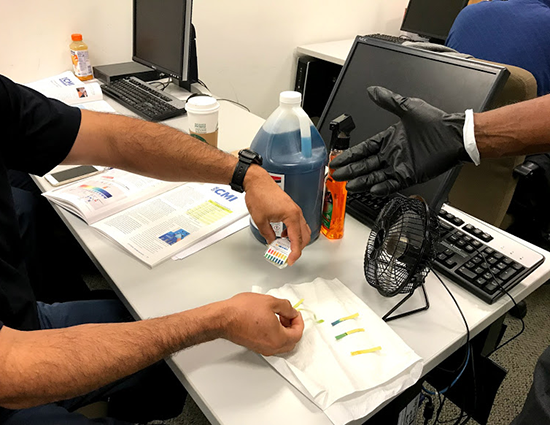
(98, 106)
(68, 88)
(158, 228)
(111, 191)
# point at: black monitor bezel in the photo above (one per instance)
(501, 74)
(424, 33)
(183, 74)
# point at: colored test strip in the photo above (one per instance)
(370, 350)
(353, 316)
(349, 333)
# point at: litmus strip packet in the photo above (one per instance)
(277, 252)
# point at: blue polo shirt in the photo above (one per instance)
(511, 32)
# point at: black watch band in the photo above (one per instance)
(246, 158)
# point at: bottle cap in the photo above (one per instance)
(76, 37)
(290, 97)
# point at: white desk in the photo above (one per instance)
(233, 385)
(332, 51)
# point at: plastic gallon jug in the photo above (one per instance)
(294, 154)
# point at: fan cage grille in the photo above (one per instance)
(401, 246)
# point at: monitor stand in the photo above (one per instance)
(193, 74)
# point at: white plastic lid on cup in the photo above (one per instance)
(290, 97)
(202, 105)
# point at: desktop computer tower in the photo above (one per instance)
(315, 79)
(116, 71)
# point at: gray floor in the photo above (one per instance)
(518, 358)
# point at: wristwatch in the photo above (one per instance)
(246, 158)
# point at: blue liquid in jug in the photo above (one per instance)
(304, 177)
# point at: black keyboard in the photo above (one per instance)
(143, 99)
(469, 253)
(386, 37)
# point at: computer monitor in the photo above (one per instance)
(450, 83)
(432, 18)
(164, 38)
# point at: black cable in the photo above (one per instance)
(513, 301)
(163, 85)
(440, 407)
(467, 345)
(236, 103)
(456, 303)
(202, 84)
(428, 410)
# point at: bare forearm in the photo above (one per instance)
(519, 129)
(44, 366)
(150, 149)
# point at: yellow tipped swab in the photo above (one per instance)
(298, 303)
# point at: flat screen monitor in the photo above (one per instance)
(449, 83)
(432, 18)
(164, 38)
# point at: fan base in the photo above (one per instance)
(388, 317)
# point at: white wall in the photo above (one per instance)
(246, 48)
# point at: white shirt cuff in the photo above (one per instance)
(469, 137)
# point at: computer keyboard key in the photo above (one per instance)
(441, 257)
(490, 288)
(450, 263)
(485, 237)
(468, 274)
(505, 275)
(457, 221)
(480, 281)
(489, 251)
(518, 266)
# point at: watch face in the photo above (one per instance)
(251, 156)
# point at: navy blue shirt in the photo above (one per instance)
(512, 32)
(36, 134)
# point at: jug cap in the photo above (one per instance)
(290, 97)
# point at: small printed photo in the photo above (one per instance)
(172, 237)
(82, 92)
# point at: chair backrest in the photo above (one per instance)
(486, 191)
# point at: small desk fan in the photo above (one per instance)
(400, 250)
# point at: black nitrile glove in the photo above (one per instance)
(425, 143)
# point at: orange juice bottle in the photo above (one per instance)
(81, 60)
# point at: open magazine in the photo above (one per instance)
(151, 219)
(67, 88)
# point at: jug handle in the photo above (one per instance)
(305, 131)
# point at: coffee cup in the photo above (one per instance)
(202, 115)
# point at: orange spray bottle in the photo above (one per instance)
(334, 206)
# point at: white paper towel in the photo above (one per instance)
(345, 387)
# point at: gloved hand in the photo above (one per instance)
(425, 143)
